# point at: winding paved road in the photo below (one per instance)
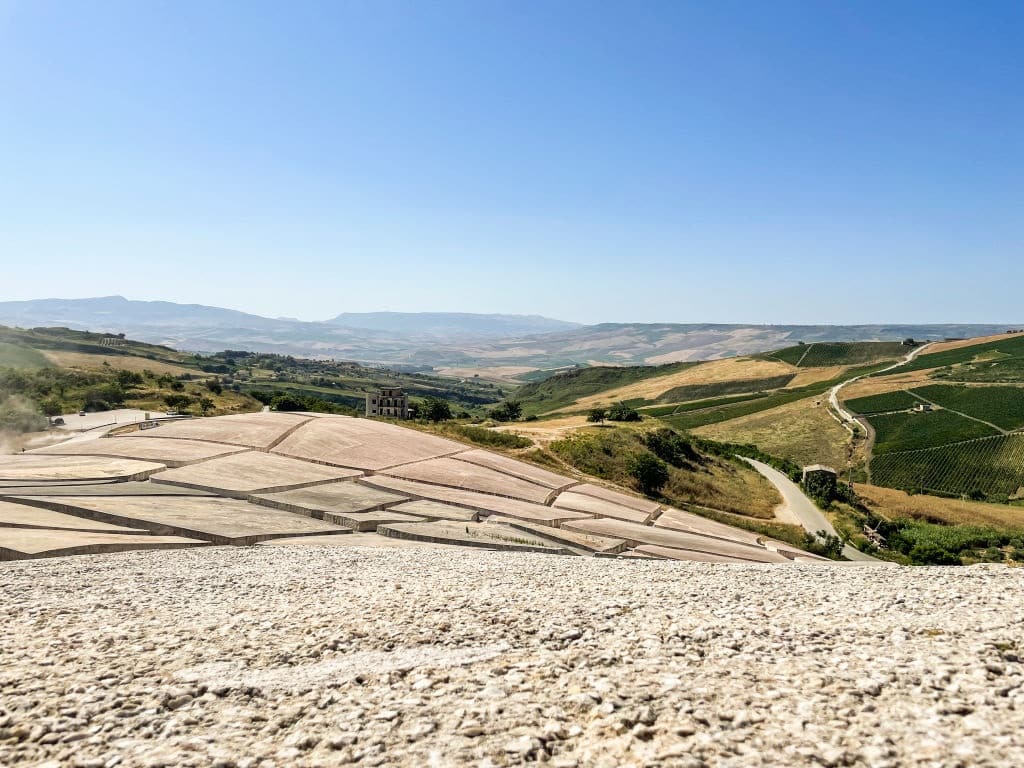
(833, 395)
(797, 506)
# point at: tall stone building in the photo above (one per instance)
(388, 401)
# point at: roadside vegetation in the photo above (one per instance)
(924, 539)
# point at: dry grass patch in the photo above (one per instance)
(543, 432)
(814, 375)
(727, 487)
(878, 385)
(892, 504)
(713, 372)
(803, 431)
(90, 362)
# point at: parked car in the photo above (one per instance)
(81, 413)
(57, 421)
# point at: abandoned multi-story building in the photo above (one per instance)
(388, 401)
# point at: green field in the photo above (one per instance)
(988, 357)
(824, 354)
(916, 431)
(1002, 406)
(17, 356)
(991, 468)
(889, 401)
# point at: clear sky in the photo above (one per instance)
(726, 161)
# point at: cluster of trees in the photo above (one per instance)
(617, 412)
(290, 401)
(508, 410)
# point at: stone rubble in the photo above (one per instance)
(277, 656)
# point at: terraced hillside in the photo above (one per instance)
(311, 479)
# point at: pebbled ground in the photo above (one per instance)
(281, 656)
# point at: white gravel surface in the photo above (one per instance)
(277, 656)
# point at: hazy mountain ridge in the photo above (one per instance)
(444, 339)
(452, 324)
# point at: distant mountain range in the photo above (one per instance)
(444, 339)
(449, 325)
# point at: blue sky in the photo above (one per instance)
(682, 161)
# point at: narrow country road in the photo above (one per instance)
(833, 395)
(848, 419)
(801, 508)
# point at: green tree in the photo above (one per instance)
(178, 402)
(651, 473)
(214, 386)
(205, 405)
(510, 410)
(435, 409)
(288, 402)
(927, 553)
(622, 412)
(597, 415)
(128, 379)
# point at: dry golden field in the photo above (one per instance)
(808, 376)
(890, 503)
(803, 431)
(715, 371)
(87, 361)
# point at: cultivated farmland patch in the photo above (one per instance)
(990, 468)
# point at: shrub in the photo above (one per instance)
(651, 473)
(510, 410)
(597, 416)
(668, 445)
(489, 437)
(435, 409)
(622, 412)
(926, 553)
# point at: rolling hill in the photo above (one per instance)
(422, 341)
